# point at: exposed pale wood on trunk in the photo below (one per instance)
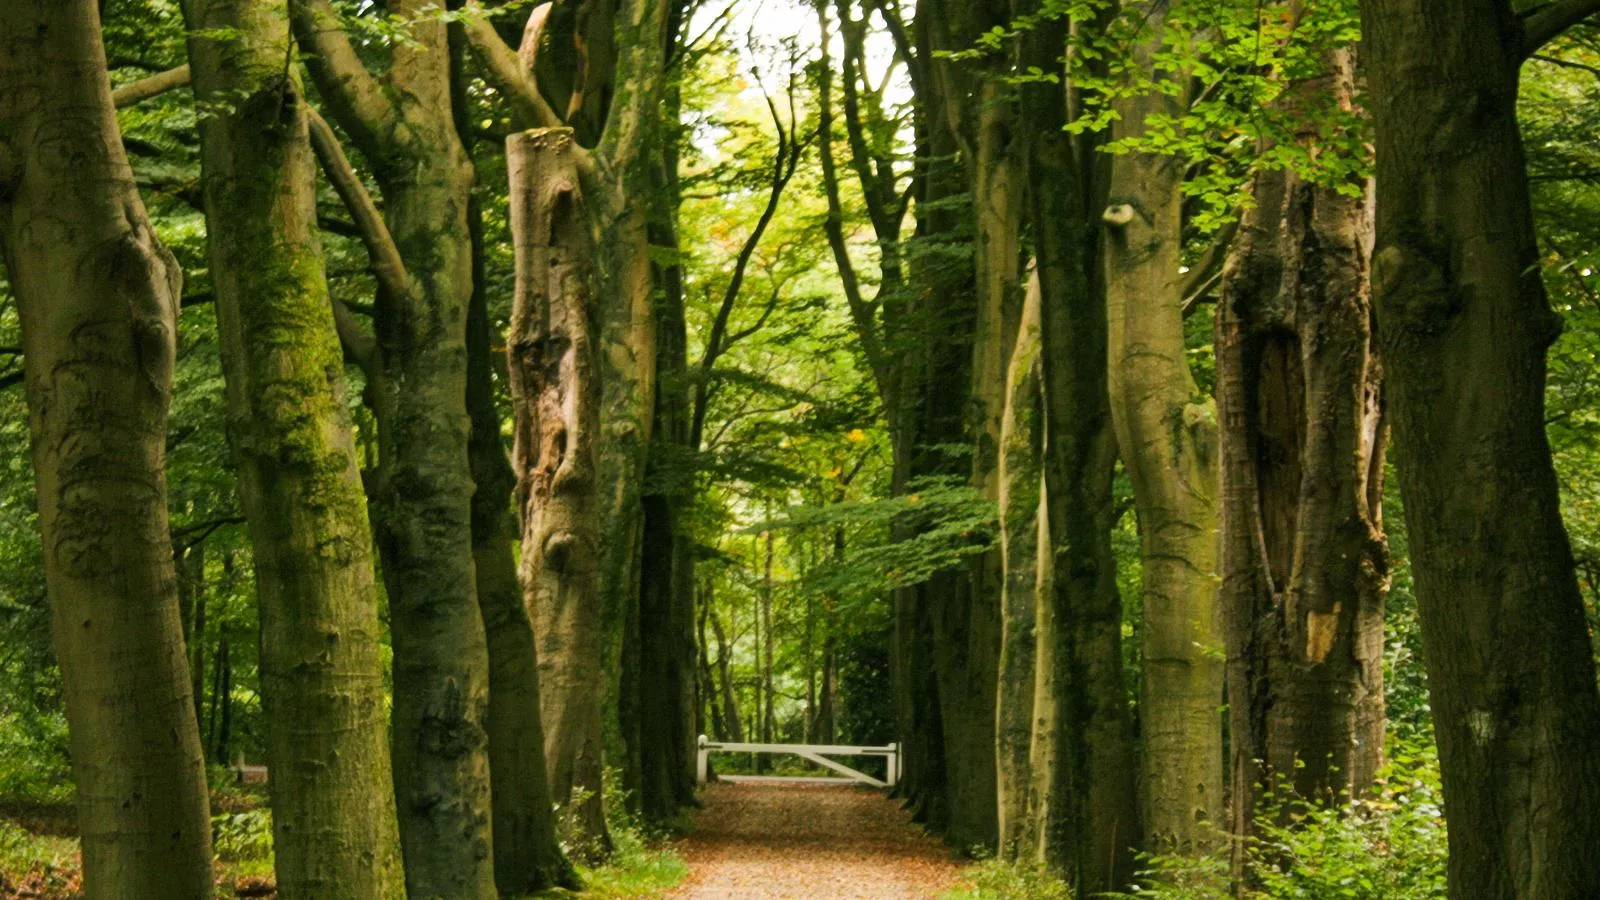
(554, 375)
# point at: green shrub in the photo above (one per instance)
(34, 767)
(45, 865)
(242, 836)
(641, 864)
(1389, 847)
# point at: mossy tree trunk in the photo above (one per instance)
(1464, 323)
(1023, 534)
(98, 295)
(421, 496)
(333, 802)
(1085, 759)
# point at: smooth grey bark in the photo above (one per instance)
(98, 296)
(1167, 434)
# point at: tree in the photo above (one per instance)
(415, 361)
(98, 298)
(624, 61)
(1304, 564)
(1167, 433)
(1084, 759)
(1025, 595)
(333, 800)
(1464, 324)
(527, 853)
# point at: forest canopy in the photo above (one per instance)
(1173, 425)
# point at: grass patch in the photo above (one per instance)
(994, 879)
(639, 867)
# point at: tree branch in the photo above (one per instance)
(511, 73)
(783, 168)
(353, 95)
(196, 533)
(506, 71)
(155, 85)
(640, 72)
(387, 264)
(1203, 274)
(1544, 24)
(861, 312)
(360, 346)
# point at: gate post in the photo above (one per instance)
(701, 758)
(893, 769)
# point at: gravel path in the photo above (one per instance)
(809, 842)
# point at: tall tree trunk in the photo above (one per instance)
(1304, 564)
(554, 391)
(421, 499)
(222, 688)
(971, 113)
(966, 616)
(1464, 322)
(1086, 759)
(97, 295)
(667, 701)
(713, 722)
(769, 717)
(333, 801)
(527, 852)
(1167, 431)
(1021, 495)
(620, 68)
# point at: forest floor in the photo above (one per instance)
(777, 841)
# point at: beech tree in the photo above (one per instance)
(335, 832)
(1167, 433)
(97, 296)
(624, 50)
(1089, 806)
(1464, 324)
(415, 360)
(1304, 563)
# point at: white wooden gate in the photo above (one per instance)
(817, 753)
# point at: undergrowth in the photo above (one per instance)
(641, 864)
(1391, 846)
(995, 879)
